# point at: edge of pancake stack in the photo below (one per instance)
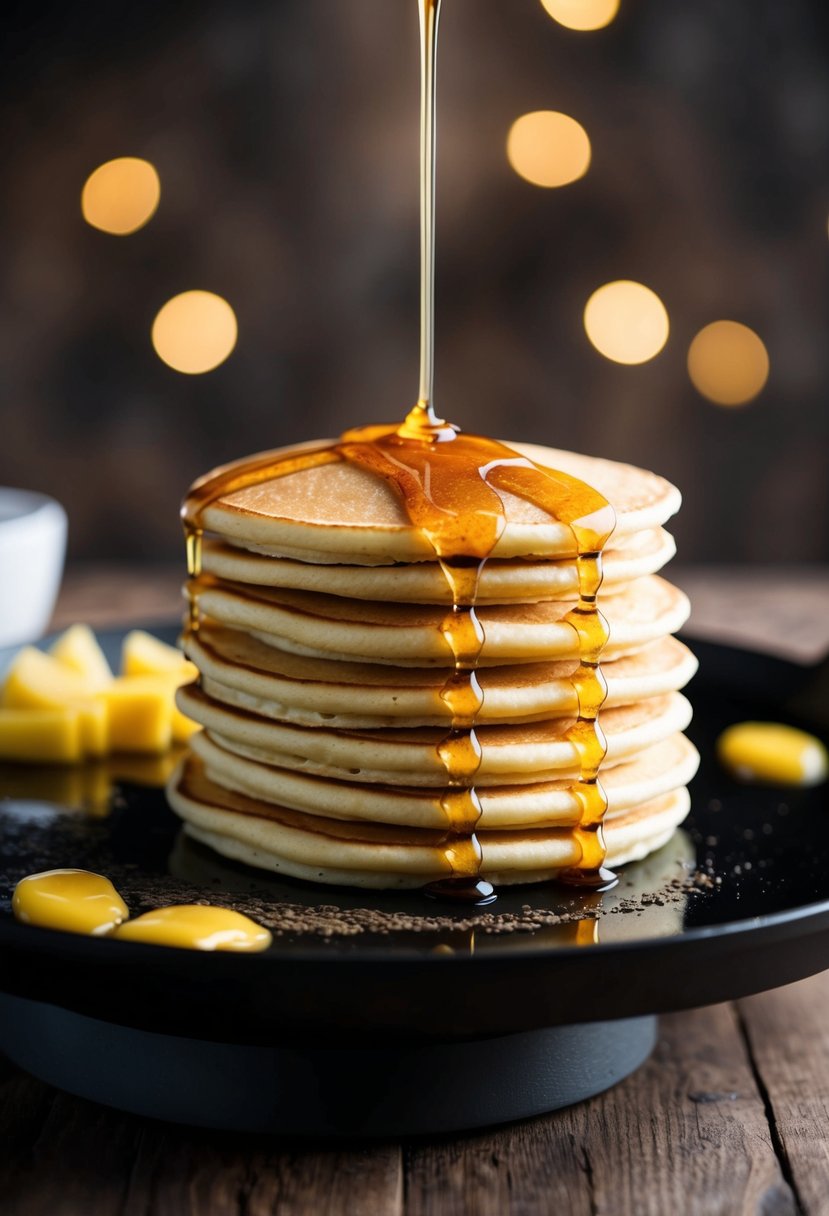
(322, 660)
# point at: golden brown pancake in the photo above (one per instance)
(340, 512)
(329, 626)
(514, 754)
(241, 671)
(657, 770)
(521, 580)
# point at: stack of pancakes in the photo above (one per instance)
(322, 661)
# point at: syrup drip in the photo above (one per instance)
(450, 484)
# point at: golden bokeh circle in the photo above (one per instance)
(728, 363)
(548, 148)
(121, 195)
(626, 322)
(194, 332)
(582, 14)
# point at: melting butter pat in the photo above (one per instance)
(196, 927)
(74, 901)
(773, 753)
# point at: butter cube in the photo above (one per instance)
(140, 714)
(49, 736)
(144, 655)
(94, 727)
(40, 681)
(78, 649)
(182, 726)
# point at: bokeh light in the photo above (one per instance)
(121, 195)
(582, 14)
(195, 332)
(626, 321)
(548, 148)
(728, 363)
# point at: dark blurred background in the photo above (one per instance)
(285, 138)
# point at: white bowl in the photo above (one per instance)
(32, 549)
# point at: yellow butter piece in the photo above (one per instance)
(40, 681)
(50, 736)
(182, 726)
(196, 927)
(774, 753)
(94, 727)
(78, 649)
(140, 715)
(144, 655)
(75, 901)
(134, 713)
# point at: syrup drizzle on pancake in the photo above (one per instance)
(450, 484)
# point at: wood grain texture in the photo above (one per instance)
(61, 1156)
(787, 1032)
(685, 1134)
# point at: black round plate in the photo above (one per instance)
(737, 902)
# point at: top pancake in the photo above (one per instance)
(340, 512)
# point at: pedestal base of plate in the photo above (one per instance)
(393, 1090)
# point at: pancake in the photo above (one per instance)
(660, 768)
(521, 580)
(509, 754)
(327, 626)
(341, 512)
(242, 672)
(377, 855)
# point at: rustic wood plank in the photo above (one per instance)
(686, 1134)
(60, 1156)
(179, 1172)
(529, 1168)
(365, 1181)
(788, 1037)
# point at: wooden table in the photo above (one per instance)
(730, 1115)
